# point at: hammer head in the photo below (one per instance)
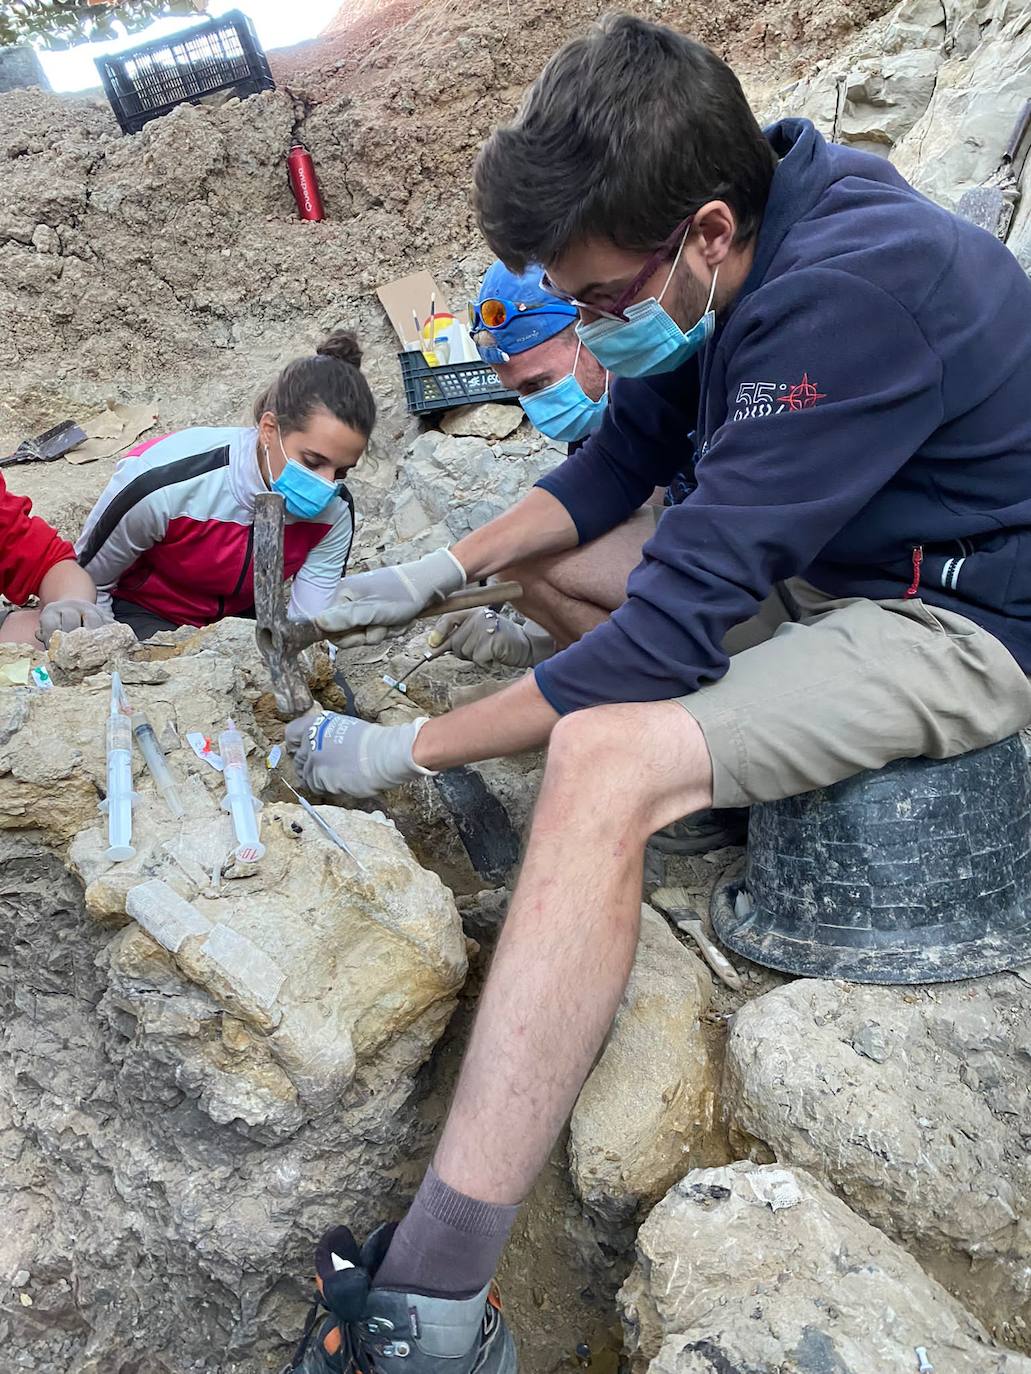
(278, 647)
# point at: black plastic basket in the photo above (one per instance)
(452, 384)
(147, 81)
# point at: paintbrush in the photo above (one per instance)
(677, 904)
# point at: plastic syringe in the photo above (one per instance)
(159, 769)
(118, 803)
(239, 800)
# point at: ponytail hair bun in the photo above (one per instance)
(308, 383)
(343, 346)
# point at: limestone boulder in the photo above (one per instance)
(53, 761)
(75, 653)
(914, 1106)
(168, 1159)
(647, 1112)
(756, 1268)
(491, 420)
(918, 24)
(52, 744)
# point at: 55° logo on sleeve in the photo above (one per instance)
(758, 399)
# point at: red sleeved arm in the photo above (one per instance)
(29, 547)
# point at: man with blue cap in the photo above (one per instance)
(528, 337)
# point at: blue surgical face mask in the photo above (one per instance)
(305, 494)
(650, 341)
(564, 411)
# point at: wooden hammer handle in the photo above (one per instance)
(298, 634)
(470, 597)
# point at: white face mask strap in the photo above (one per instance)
(267, 474)
(676, 261)
(712, 290)
(282, 446)
(579, 345)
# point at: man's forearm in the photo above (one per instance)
(66, 581)
(507, 723)
(538, 525)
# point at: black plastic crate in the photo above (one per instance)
(147, 81)
(451, 384)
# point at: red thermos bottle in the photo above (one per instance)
(304, 183)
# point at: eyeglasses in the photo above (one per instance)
(494, 313)
(616, 307)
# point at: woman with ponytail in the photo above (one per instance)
(171, 540)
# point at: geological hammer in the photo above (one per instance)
(280, 639)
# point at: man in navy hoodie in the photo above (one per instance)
(856, 365)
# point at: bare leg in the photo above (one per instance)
(570, 593)
(614, 775)
(20, 627)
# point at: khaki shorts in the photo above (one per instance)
(852, 685)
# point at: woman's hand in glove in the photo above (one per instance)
(70, 614)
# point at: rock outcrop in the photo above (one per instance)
(936, 86)
(753, 1269)
(647, 1113)
(202, 1064)
(913, 1104)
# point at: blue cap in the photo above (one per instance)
(525, 329)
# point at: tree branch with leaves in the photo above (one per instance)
(66, 23)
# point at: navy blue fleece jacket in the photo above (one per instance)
(864, 407)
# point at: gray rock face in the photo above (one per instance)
(757, 1269)
(461, 483)
(936, 86)
(915, 1107)
(959, 139)
(884, 97)
(20, 67)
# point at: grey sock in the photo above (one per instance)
(448, 1245)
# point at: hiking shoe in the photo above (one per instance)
(702, 832)
(384, 1331)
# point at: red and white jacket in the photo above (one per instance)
(173, 531)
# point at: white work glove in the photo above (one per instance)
(491, 640)
(342, 754)
(70, 614)
(366, 605)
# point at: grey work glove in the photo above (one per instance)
(491, 640)
(342, 754)
(70, 614)
(367, 604)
